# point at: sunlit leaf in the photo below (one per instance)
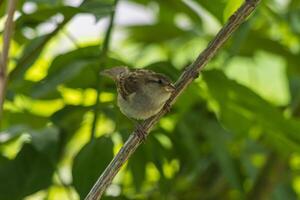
(44, 14)
(69, 118)
(210, 6)
(239, 103)
(31, 120)
(30, 53)
(99, 8)
(32, 168)
(231, 7)
(163, 32)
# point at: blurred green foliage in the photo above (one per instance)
(233, 134)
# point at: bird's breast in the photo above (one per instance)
(139, 106)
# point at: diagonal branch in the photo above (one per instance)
(186, 78)
(7, 34)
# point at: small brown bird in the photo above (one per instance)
(141, 93)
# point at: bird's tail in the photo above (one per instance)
(114, 72)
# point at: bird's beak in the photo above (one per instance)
(114, 72)
(170, 88)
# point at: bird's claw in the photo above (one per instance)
(140, 133)
(167, 107)
(196, 75)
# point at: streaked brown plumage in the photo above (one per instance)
(141, 92)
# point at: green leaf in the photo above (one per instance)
(216, 136)
(75, 69)
(69, 119)
(190, 152)
(257, 41)
(295, 93)
(67, 73)
(169, 10)
(16, 118)
(46, 2)
(44, 13)
(99, 8)
(215, 7)
(29, 55)
(12, 133)
(87, 78)
(231, 7)
(90, 162)
(46, 142)
(137, 166)
(3, 6)
(89, 52)
(30, 172)
(237, 103)
(41, 15)
(28, 88)
(66, 67)
(294, 4)
(163, 32)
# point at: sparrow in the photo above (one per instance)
(141, 93)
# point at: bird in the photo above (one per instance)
(141, 92)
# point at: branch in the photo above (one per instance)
(103, 55)
(186, 78)
(7, 34)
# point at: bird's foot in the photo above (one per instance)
(196, 75)
(167, 107)
(140, 132)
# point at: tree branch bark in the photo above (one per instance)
(7, 34)
(186, 78)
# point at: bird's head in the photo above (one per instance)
(115, 72)
(159, 85)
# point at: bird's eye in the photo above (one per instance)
(160, 81)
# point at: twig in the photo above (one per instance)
(186, 78)
(8, 30)
(103, 55)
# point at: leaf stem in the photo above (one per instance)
(103, 57)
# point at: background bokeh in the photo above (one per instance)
(233, 134)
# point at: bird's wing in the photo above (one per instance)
(130, 82)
